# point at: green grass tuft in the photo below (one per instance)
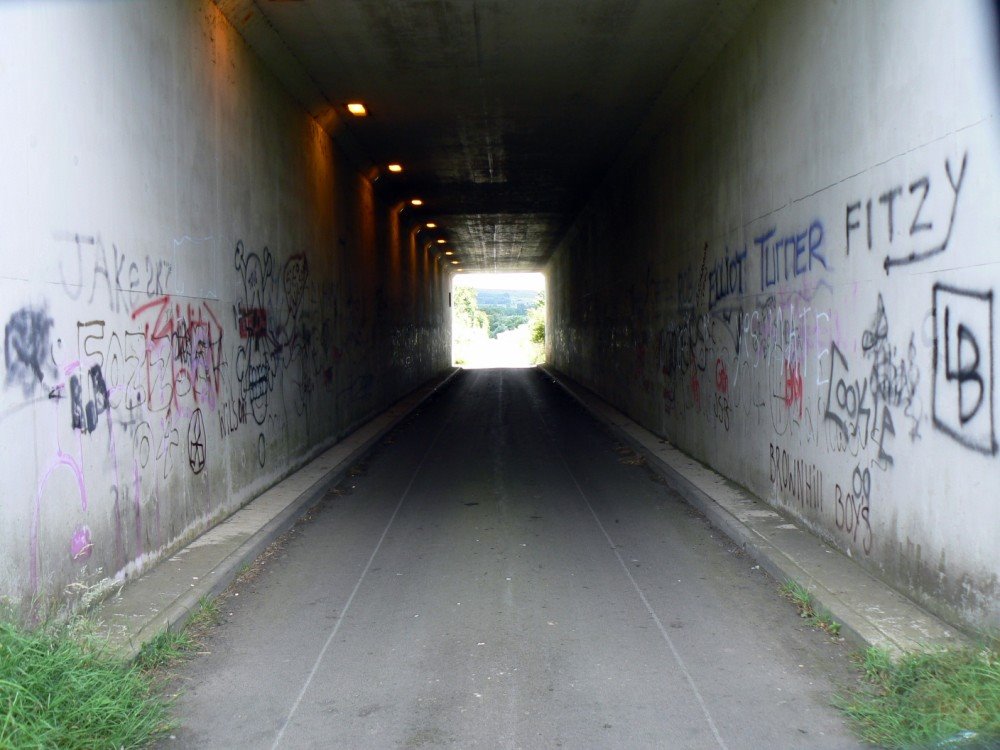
(58, 692)
(802, 598)
(166, 649)
(207, 615)
(938, 698)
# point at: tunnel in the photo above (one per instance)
(769, 233)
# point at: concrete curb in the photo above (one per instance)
(165, 597)
(869, 611)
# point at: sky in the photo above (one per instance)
(529, 281)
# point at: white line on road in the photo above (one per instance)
(350, 599)
(642, 596)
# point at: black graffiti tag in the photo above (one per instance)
(963, 374)
(196, 442)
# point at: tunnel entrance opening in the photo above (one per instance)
(498, 320)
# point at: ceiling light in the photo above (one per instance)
(441, 242)
(449, 252)
(357, 109)
(454, 262)
(430, 225)
(416, 202)
(460, 270)
(395, 168)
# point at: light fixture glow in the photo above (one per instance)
(454, 262)
(395, 168)
(441, 242)
(430, 225)
(357, 109)
(449, 252)
(416, 202)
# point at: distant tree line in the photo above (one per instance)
(507, 310)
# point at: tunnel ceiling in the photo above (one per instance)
(504, 113)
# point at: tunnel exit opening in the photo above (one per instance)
(498, 320)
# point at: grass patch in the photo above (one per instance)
(934, 699)
(56, 691)
(166, 649)
(172, 646)
(802, 598)
(206, 616)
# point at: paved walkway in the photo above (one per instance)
(503, 575)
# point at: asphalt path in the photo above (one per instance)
(502, 574)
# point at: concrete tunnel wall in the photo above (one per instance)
(797, 282)
(200, 294)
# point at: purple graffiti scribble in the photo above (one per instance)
(61, 459)
(80, 545)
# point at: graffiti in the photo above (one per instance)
(122, 279)
(725, 277)
(721, 376)
(853, 508)
(196, 442)
(253, 360)
(962, 400)
(293, 280)
(252, 323)
(183, 352)
(696, 390)
(722, 410)
(85, 414)
(794, 392)
(80, 545)
(137, 393)
(789, 256)
(846, 401)
(894, 377)
(232, 414)
(27, 350)
(796, 479)
(918, 207)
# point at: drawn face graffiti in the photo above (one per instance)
(294, 280)
(253, 361)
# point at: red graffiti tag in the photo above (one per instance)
(721, 377)
(793, 385)
(253, 323)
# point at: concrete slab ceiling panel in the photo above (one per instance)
(506, 114)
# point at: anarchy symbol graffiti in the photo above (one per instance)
(196, 442)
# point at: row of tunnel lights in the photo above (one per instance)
(359, 110)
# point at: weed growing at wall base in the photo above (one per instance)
(933, 699)
(802, 598)
(58, 692)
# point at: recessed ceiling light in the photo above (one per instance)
(460, 270)
(395, 168)
(357, 109)
(449, 252)
(441, 242)
(454, 262)
(430, 225)
(416, 202)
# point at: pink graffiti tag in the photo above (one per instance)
(80, 545)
